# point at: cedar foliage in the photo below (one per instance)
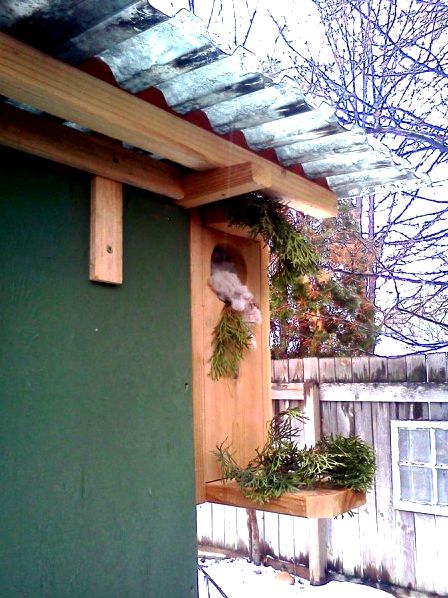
(280, 466)
(231, 338)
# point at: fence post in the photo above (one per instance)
(317, 528)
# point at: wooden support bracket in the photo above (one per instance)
(106, 231)
(221, 183)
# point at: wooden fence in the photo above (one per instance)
(380, 543)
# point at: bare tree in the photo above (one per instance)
(385, 68)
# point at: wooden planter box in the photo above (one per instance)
(317, 503)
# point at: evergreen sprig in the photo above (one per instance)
(269, 218)
(354, 461)
(280, 466)
(231, 338)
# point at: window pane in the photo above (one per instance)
(422, 490)
(404, 444)
(442, 447)
(442, 486)
(416, 484)
(420, 450)
(405, 482)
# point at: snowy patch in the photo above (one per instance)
(238, 578)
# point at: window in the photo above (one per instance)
(420, 466)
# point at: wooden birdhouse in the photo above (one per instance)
(235, 410)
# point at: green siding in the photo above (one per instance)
(97, 466)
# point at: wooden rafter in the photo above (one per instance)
(35, 135)
(32, 77)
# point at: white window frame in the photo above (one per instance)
(407, 505)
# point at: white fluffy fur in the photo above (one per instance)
(230, 289)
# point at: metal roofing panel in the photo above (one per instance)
(266, 105)
(145, 48)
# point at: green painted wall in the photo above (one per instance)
(97, 469)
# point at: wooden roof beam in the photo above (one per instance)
(32, 77)
(29, 133)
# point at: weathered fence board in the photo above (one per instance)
(384, 392)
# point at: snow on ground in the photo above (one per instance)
(238, 578)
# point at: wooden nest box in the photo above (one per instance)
(236, 410)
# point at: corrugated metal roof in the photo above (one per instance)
(145, 48)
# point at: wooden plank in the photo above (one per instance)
(440, 574)
(368, 531)
(271, 534)
(426, 562)
(280, 373)
(222, 183)
(215, 216)
(235, 410)
(345, 418)
(396, 369)
(242, 531)
(322, 502)
(378, 369)
(383, 483)
(361, 369)
(286, 538)
(343, 369)
(416, 368)
(197, 348)
(287, 392)
(390, 393)
(230, 528)
(438, 411)
(301, 540)
(404, 549)
(35, 135)
(317, 551)
(311, 369)
(344, 555)
(327, 410)
(436, 367)
(30, 76)
(327, 369)
(318, 202)
(218, 529)
(106, 231)
(204, 524)
(312, 426)
(296, 370)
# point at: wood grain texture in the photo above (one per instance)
(317, 551)
(223, 183)
(29, 133)
(198, 366)
(323, 502)
(235, 410)
(32, 77)
(227, 410)
(312, 425)
(390, 393)
(106, 231)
